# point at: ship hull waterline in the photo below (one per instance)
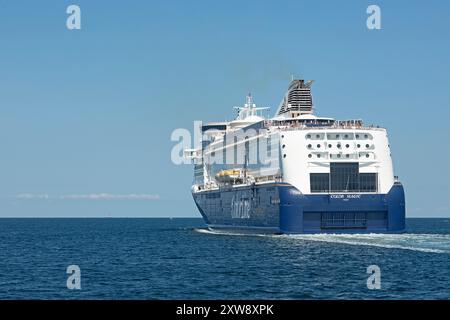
(279, 208)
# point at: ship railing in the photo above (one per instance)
(338, 124)
(269, 178)
(246, 182)
(303, 127)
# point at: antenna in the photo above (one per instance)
(249, 99)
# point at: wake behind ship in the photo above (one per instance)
(296, 172)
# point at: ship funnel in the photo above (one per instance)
(297, 100)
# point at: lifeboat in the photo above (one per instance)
(230, 175)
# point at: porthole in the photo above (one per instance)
(318, 156)
(309, 146)
(367, 146)
(367, 155)
(282, 136)
(337, 136)
(317, 136)
(318, 146)
(366, 136)
(358, 145)
(339, 145)
(309, 155)
(284, 156)
(357, 136)
(347, 156)
(329, 146)
(338, 155)
(347, 145)
(346, 136)
(308, 136)
(283, 146)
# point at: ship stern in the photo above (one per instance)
(342, 212)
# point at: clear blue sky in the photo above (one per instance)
(91, 111)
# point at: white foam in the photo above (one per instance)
(232, 232)
(430, 243)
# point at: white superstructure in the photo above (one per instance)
(305, 144)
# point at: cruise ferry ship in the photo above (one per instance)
(296, 172)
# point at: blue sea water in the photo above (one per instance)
(180, 259)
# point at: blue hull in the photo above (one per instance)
(281, 208)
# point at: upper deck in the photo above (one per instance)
(319, 123)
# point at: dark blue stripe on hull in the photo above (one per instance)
(282, 208)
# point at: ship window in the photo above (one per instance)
(338, 155)
(367, 146)
(348, 136)
(318, 155)
(318, 146)
(339, 145)
(347, 146)
(368, 182)
(344, 177)
(358, 145)
(366, 136)
(329, 146)
(282, 136)
(367, 155)
(284, 156)
(308, 136)
(331, 136)
(317, 136)
(319, 182)
(309, 146)
(284, 146)
(347, 156)
(309, 155)
(357, 136)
